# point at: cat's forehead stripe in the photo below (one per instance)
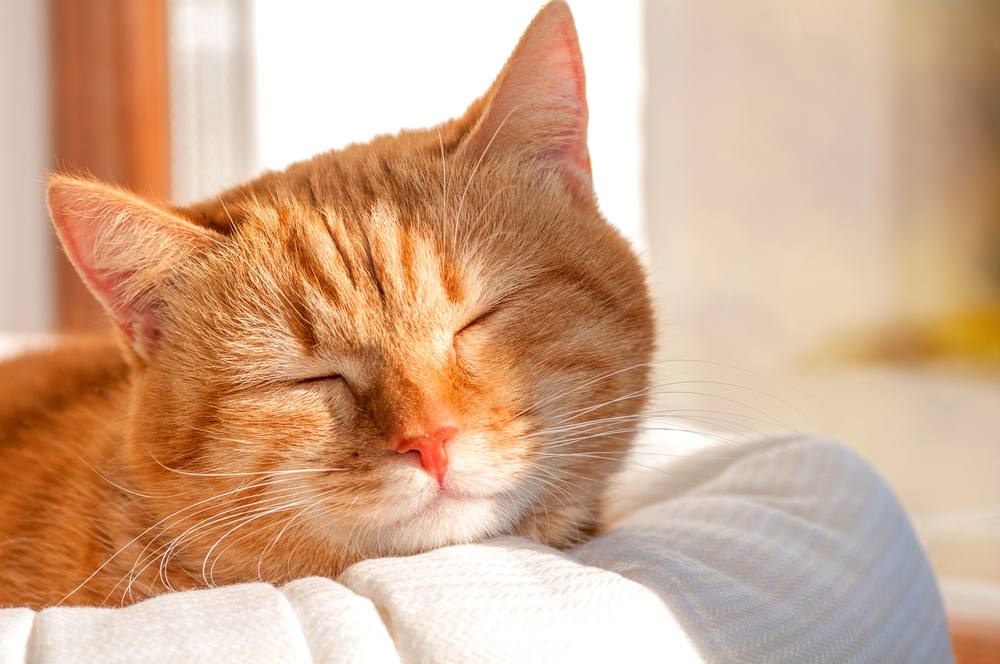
(312, 270)
(300, 320)
(407, 269)
(450, 279)
(338, 243)
(370, 268)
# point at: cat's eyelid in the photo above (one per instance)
(475, 321)
(318, 378)
(494, 308)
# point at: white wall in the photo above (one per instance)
(769, 175)
(333, 73)
(25, 235)
(212, 140)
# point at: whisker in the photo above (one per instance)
(160, 523)
(119, 486)
(168, 550)
(557, 443)
(576, 388)
(295, 471)
(656, 390)
(274, 542)
(209, 575)
(139, 536)
(651, 417)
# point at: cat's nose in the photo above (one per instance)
(431, 448)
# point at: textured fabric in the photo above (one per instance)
(786, 550)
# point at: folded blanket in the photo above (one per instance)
(784, 550)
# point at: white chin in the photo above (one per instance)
(446, 521)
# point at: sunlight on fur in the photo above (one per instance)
(431, 338)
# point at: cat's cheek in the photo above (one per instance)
(280, 429)
(480, 465)
(327, 404)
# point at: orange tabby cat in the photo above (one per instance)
(384, 349)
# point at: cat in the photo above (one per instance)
(431, 338)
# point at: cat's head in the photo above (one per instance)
(398, 345)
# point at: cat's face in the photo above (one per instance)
(322, 333)
(388, 348)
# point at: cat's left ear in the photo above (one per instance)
(127, 251)
(537, 107)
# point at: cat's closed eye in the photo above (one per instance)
(322, 378)
(490, 312)
(477, 321)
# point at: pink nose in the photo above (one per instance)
(431, 447)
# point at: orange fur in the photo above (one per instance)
(275, 339)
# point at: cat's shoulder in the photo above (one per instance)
(49, 379)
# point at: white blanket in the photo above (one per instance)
(787, 550)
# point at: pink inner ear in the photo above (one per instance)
(121, 271)
(78, 234)
(538, 105)
(566, 52)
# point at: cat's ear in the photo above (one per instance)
(537, 107)
(125, 250)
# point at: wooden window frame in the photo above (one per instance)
(110, 114)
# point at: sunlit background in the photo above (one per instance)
(815, 188)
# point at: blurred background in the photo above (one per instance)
(814, 186)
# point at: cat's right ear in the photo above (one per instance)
(125, 250)
(537, 107)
